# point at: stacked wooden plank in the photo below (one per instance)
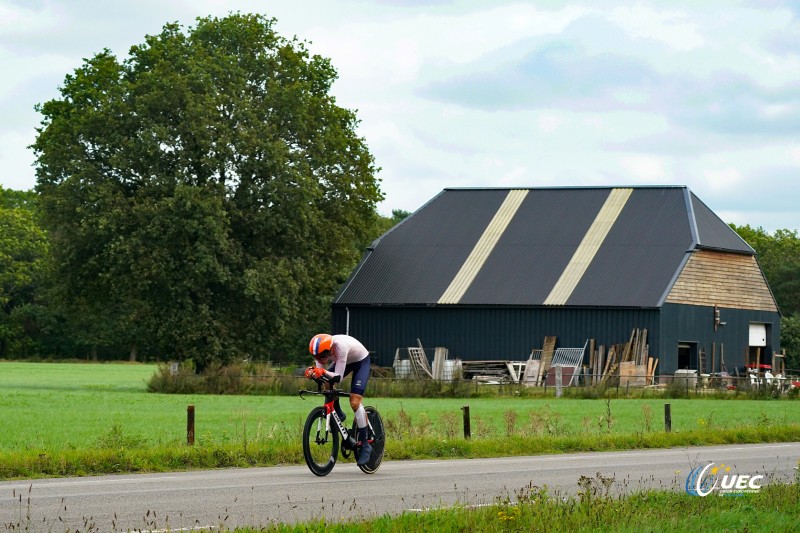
(487, 371)
(610, 366)
(548, 349)
(631, 369)
(628, 364)
(597, 361)
(652, 363)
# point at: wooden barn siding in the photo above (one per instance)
(484, 333)
(723, 279)
(689, 323)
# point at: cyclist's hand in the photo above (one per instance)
(314, 372)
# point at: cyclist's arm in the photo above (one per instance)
(339, 360)
(338, 369)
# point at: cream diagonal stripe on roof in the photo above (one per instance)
(483, 248)
(586, 251)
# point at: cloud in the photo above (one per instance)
(784, 43)
(645, 168)
(733, 105)
(790, 6)
(559, 74)
(15, 160)
(769, 188)
(675, 28)
(83, 28)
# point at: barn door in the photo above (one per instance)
(687, 355)
(758, 335)
(757, 352)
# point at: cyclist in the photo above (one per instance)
(344, 355)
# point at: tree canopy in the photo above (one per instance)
(779, 256)
(206, 196)
(23, 251)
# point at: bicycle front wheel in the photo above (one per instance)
(320, 443)
(377, 440)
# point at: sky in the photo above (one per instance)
(465, 93)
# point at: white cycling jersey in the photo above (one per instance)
(345, 350)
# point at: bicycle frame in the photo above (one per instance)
(331, 398)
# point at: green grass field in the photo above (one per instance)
(52, 406)
(100, 416)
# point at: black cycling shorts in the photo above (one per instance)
(360, 370)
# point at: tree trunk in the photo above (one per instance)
(134, 353)
(94, 353)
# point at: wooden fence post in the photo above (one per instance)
(190, 425)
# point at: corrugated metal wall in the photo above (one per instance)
(695, 324)
(481, 333)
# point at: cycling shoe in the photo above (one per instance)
(364, 454)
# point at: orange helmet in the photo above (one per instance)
(319, 344)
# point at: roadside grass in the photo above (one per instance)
(81, 419)
(774, 508)
(175, 457)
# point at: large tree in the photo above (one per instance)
(205, 196)
(23, 249)
(779, 256)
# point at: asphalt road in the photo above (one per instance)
(262, 496)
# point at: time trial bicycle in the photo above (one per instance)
(324, 429)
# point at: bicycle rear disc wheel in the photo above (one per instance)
(378, 441)
(320, 446)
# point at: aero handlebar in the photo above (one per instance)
(326, 380)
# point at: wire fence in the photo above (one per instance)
(681, 386)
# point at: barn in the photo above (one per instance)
(490, 272)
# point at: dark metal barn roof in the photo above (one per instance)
(567, 246)
(714, 233)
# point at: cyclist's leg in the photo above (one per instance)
(359, 385)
